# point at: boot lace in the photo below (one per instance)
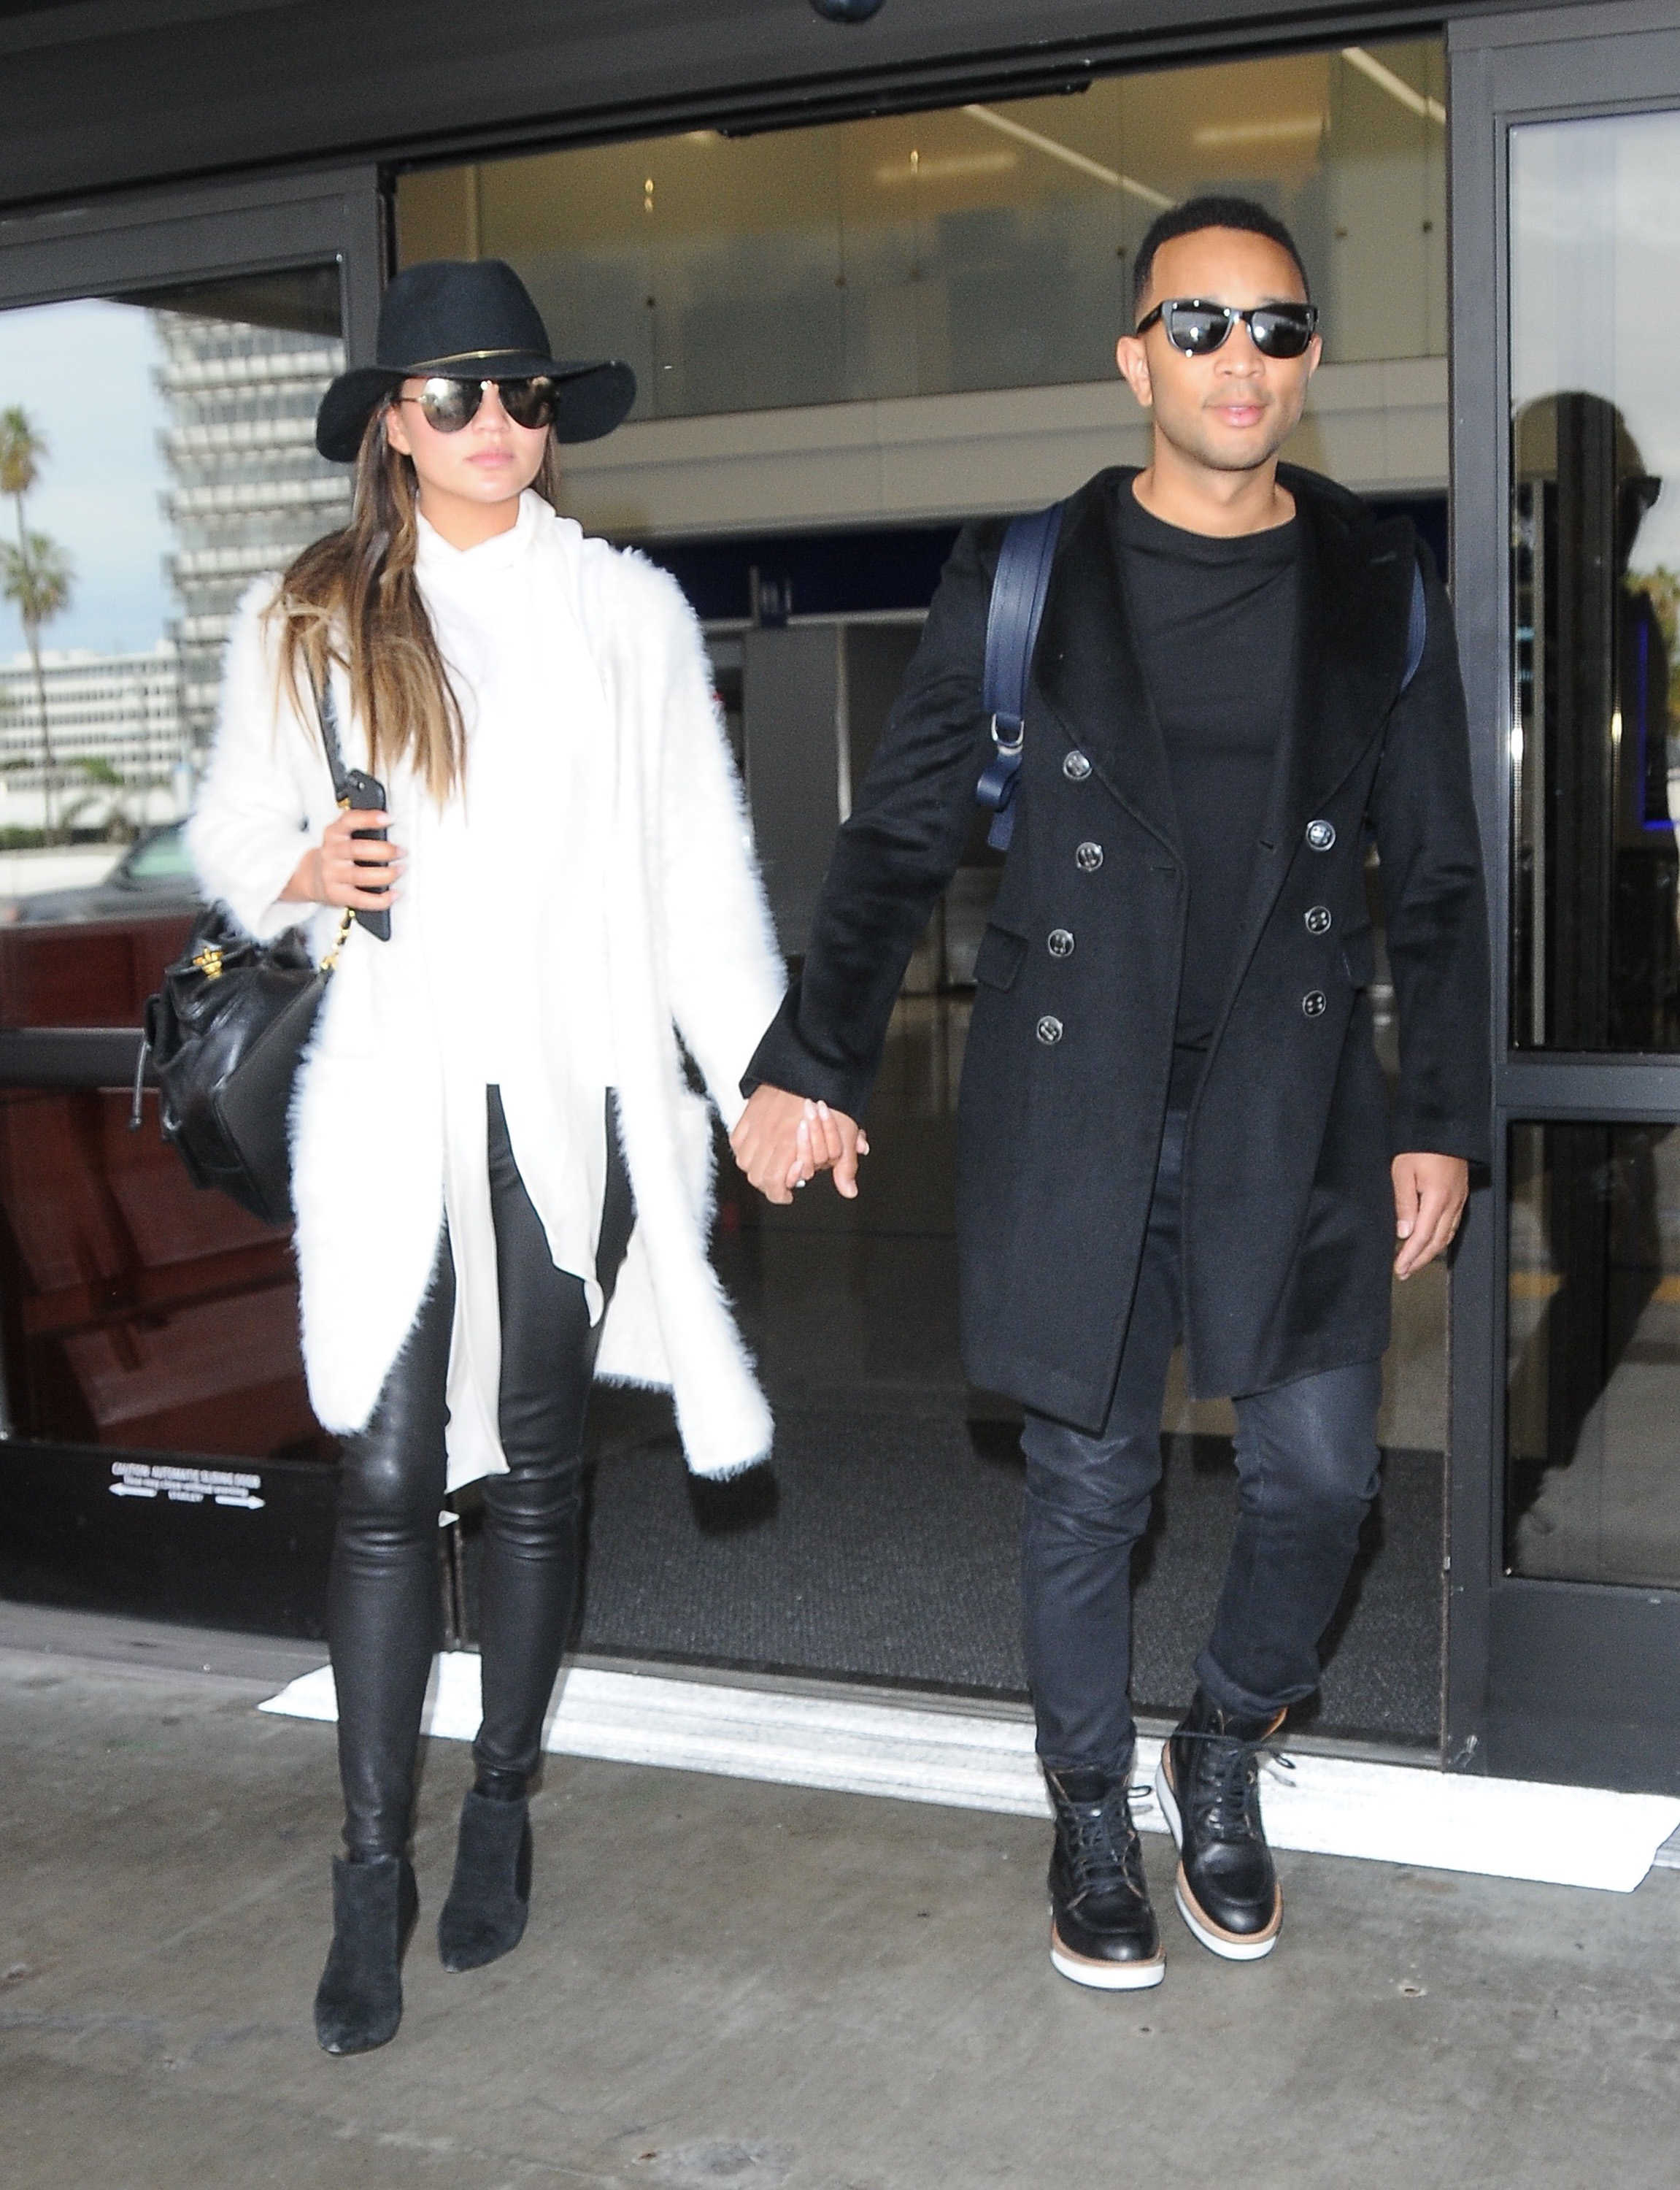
(1229, 1797)
(1102, 1841)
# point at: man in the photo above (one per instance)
(1172, 1118)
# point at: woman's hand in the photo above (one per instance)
(782, 1140)
(344, 869)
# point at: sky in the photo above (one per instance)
(82, 371)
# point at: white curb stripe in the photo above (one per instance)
(1327, 1805)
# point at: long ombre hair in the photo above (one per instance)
(353, 599)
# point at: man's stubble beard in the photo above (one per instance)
(1213, 458)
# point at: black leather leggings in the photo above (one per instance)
(383, 1601)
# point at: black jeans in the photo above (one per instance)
(1307, 1464)
(383, 1601)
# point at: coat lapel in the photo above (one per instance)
(1348, 643)
(1087, 668)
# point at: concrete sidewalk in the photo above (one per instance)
(732, 1984)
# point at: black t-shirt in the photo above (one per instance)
(1215, 625)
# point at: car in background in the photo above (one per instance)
(155, 875)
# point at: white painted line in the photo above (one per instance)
(1325, 1806)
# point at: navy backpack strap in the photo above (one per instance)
(1417, 627)
(1019, 586)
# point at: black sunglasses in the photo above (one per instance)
(450, 403)
(1197, 327)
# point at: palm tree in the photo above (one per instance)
(36, 574)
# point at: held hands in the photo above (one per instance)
(343, 869)
(782, 1140)
(1429, 1196)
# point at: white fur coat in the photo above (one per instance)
(689, 950)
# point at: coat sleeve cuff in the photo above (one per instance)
(1440, 1137)
(784, 1060)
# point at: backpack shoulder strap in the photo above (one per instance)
(1417, 626)
(1019, 587)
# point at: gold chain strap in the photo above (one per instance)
(330, 959)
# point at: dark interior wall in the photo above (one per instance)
(106, 95)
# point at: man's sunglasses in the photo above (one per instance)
(450, 403)
(1198, 328)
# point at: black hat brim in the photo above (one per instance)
(589, 399)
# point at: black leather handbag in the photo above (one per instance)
(224, 1035)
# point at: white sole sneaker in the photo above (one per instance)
(1229, 1946)
(1104, 1977)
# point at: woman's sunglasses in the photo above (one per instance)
(450, 403)
(1198, 328)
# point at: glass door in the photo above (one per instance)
(1568, 1316)
(158, 384)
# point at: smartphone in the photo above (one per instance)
(362, 792)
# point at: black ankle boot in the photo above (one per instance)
(1102, 1929)
(491, 1896)
(1208, 1782)
(359, 2000)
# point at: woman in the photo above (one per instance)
(501, 1182)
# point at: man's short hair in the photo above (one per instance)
(1211, 212)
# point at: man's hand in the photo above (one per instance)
(1429, 1196)
(782, 1140)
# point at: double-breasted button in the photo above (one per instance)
(1321, 835)
(1075, 766)
(1088, 858)
(1318, 920)
(1313, 1004)
(1049, 1032)
(1061, 943)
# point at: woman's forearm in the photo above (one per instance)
(306, 886)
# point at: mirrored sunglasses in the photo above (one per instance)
(1198, 328)
(450, 404)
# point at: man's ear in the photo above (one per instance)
(1315, 354)
(1133, 360)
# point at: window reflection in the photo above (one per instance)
(1595, 552)
(1592, 1432)
(137, 1312)
(980, 246)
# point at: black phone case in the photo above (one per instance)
(362, 791)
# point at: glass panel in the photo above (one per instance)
(1595, 289)
(158, 454)
(1592, 1432)
(980, 246)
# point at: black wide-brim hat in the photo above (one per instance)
(472, 320)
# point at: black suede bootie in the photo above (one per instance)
(359, 2001)
(490, 1894)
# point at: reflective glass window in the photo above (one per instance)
(981, 246)
(1592, 1432)
(1595, 318)
(158, 454)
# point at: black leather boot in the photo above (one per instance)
(490, 1895)
(1103, 1930)
(1208, 1783)
(359, 2001)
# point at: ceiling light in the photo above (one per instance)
(1052, 149)
(947, 167)
(1417, 102)
(1284, 129)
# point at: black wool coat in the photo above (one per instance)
(1288, 1224)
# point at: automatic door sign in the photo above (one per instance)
(185, 1486)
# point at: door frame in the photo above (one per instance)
(1545, 1680)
